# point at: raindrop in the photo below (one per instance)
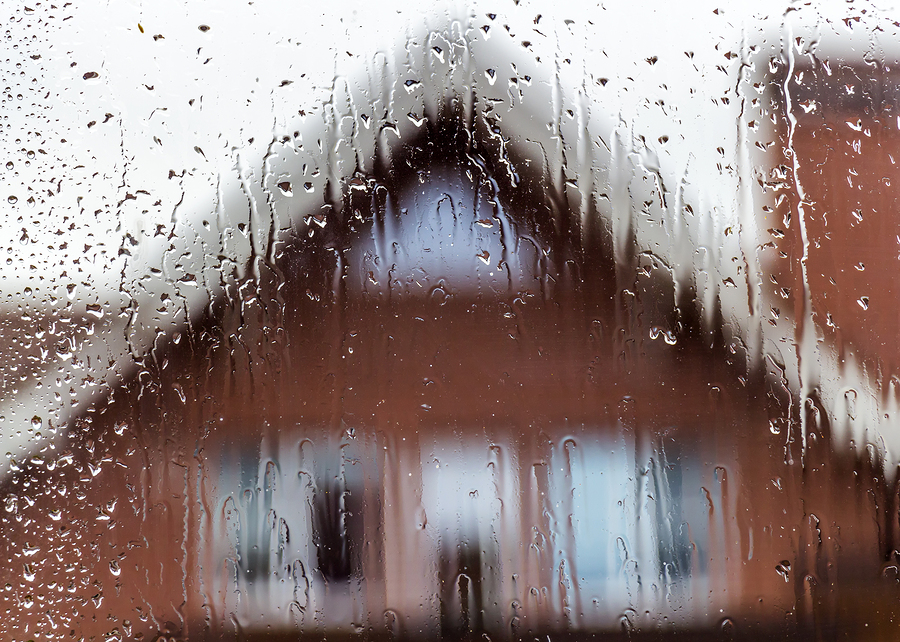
(784, 569)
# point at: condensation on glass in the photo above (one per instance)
(495, 322)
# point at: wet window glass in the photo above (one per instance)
(474, 321)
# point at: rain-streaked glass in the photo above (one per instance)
(469, 321)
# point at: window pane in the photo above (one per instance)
(473, 320)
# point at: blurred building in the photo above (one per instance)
(460, 399)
